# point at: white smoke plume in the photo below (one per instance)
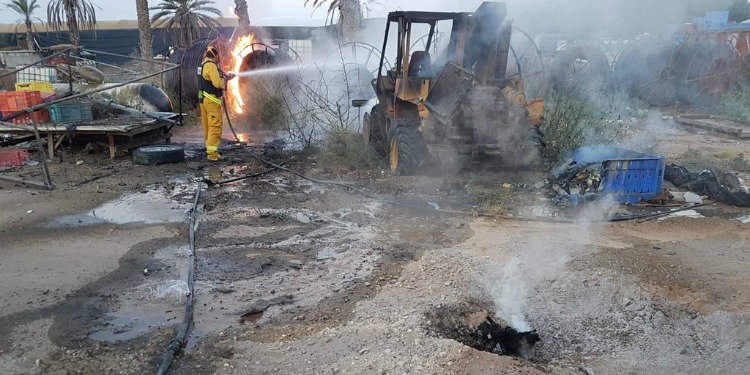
(543, 255)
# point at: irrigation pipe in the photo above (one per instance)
(182, 331)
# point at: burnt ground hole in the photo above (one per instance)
(474, 326)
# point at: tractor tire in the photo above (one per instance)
(158, 154)
(407, 149)
(375, 130)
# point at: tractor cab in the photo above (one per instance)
(449, 93)
(421, 53)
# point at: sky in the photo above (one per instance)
(584, 17)
(259, 9)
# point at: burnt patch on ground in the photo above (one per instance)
(472, 324)
(335, 310)
(232, 263)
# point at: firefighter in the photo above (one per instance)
(212, 84)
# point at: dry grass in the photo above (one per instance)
(720, 161)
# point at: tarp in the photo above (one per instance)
(723, 187)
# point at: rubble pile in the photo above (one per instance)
(576, 182)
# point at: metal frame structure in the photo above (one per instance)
(155, 120)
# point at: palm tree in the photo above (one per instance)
(189, 16)
(144, 29)
(75, 14)
(350, 14)
(240, 9)
(25, 9)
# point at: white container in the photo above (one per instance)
(717, 18)
(37, 74)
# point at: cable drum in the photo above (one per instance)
(189, 59)
(644, 70)
(580, 67)
(705, 71)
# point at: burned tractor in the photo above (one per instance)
(459, 107)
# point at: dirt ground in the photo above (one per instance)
(294, 277)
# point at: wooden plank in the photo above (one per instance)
(50, 146)
(60, 141)
(125, 129)
(112, 146)
(714, 125)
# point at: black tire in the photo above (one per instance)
(580, 67)
(158, 154)
(407, 149)
(375, 130)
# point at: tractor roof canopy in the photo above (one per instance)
(426, 17)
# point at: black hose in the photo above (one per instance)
(245, 177)
(229, 121)
(182, 331)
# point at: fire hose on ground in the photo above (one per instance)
(182, 331)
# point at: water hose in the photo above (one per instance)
(182, 331)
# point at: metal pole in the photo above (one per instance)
(179, 93)
(42, 154)
(125, 109)
(130, 57)
(70, 73)
(76, 96)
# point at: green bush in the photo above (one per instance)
(736, 107)
(575, 120)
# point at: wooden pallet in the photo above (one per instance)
(708, 122)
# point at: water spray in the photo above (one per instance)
(268, 71)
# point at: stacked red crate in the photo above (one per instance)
(13, 158)
(14, 101)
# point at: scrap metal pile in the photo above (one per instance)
(575, 183)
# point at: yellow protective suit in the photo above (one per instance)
(211, 115)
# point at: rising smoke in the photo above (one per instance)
(581, 18)
(543, 254)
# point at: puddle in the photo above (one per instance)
(133, 321)
(154, 206)
(157, 304)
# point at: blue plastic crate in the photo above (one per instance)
(71, 112)
(628, 176)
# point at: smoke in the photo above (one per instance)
(580, 18)
(543, 254)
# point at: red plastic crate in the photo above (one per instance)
(41, 117)
(14, 101)
(13, 158)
